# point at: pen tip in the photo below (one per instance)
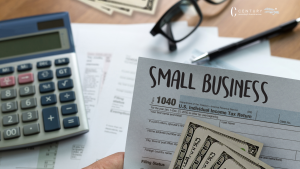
(201, 57)
(298, 20)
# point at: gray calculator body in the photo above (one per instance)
(40, 89)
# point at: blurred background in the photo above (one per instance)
(286, 45)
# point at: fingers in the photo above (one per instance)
(114, 161)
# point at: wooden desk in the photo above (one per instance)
(286, 45)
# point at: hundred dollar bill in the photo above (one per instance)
(190, 142)
(148, 8)
(218, 156)
(138, 3)
(121, 10)
(217, 153)
(100, 7)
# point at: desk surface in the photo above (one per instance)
(286, 45)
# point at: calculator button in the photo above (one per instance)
(45, 75)
(51, 119)
(25, 78)
(43, 64)
(24, 67)
(8, 94)
(71, 122)
(27, 90)
(28, 103)
(6, 70)
(67, 96)
(9, 106)
(10, 120)
(7, 81)
(69, 109)
(63, 72)
(47, 87)
(48, 99)
(11, 133)
(65, 84)
(63, 61)
(31, 129)
(30, 116)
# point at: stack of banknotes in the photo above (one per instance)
(203, 145)
(125, 7)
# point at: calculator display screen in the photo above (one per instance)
(30, 44)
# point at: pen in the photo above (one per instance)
(264, 35)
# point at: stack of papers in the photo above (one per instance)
(125, 7)
(107, 57)
(232, 109)
(133, 41)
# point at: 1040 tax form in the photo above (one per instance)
(262, 108)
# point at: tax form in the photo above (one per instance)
(262, 108)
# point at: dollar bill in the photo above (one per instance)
(207, 155)
(225, 159)
(219, 151)
(137, 3)
(108, 9)
(98, 6)
(149, 8)
(228, 162)
(191, 141)
(218, 157)
(125, 11)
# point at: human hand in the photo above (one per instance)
(114, 161)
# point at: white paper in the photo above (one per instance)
(272, 118)
(157, 48)
(135, 40)
(115, 101)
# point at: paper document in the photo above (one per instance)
(259, 107)
(115, 100)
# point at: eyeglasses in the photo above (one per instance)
(166, 24)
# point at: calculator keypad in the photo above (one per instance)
(47, 87)
(10, 120)
(6, 70)
(43, 64)
(51, 119)
(25, 78)
(27, 91)
(71, 122)
(24, 67)
(11, 133)
(48, 99)
(31, 129)
(45, 75)
(69, 109)
(9, 106)
(7, 81)
(51, 112)
(65, 84)
(62, 61)
(63, 72)
(28, 103)
(67, 96)
(30, 116)
(8, 94)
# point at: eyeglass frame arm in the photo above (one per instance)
(172, 45)
(157, 28)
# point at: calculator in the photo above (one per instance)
(40, 88)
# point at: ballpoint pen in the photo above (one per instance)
(264, 35)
